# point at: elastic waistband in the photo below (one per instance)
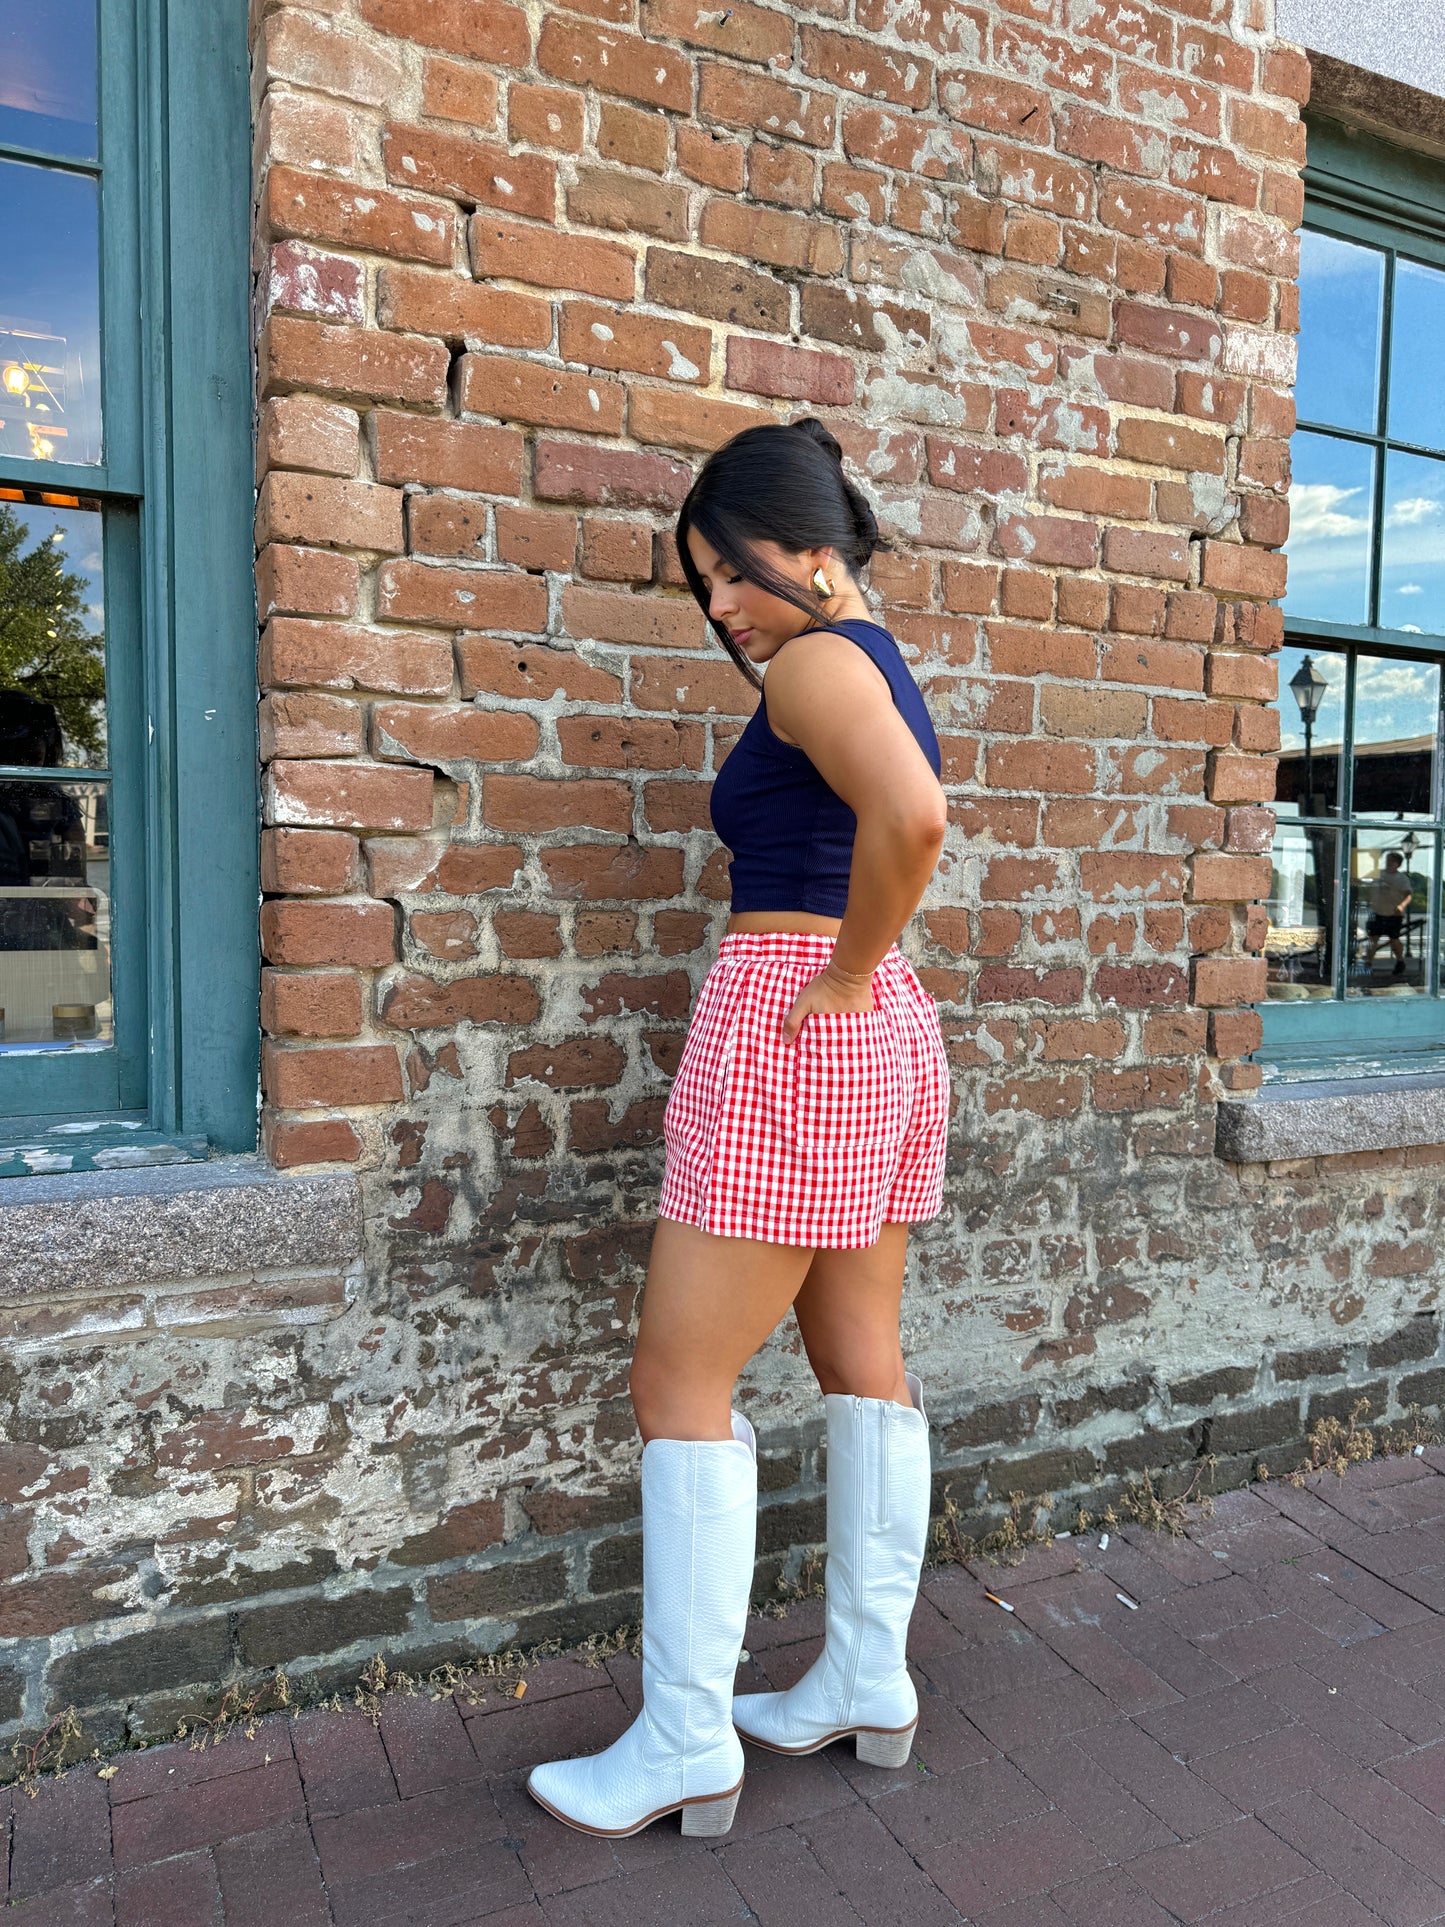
(799, 946)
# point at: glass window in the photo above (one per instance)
(1355, 905)
(68, 1014)
(129, 968)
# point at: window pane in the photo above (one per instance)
(1307, 782)
(1299, 944)
(1412, 552)
(52, 635)
(1331, 502)
(54, 915)
(1341, 293)
(1391, 889)
(47, 76)
(49, 315)
(1417, 329)
(1396, 707)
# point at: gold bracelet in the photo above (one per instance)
(853, 976)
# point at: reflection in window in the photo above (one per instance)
(54, 915)
(1341, 292)
(1331, 508)
(47, 76)
(1311, 731)
(52, 635)
(1298, 945)
(1391, 885)
(49, 315)
(1417, 401)
(1397, 707)
(1412, 548)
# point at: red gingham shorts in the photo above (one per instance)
(819, 1142)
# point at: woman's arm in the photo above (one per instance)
(827, 696)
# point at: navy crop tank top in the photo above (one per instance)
(790, 835)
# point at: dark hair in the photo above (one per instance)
(781, 482)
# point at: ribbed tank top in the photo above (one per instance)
(790, 835)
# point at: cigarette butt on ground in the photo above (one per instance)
(521, 1688)
(1103, 1542)
(997, 1601)
(1124, 1599)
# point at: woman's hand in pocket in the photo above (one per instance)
(825, 992)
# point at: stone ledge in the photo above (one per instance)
(95, 1230)
(1333, 1115)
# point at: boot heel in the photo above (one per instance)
(886, 1749)
(706, 1819)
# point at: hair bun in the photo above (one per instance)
(819, 432)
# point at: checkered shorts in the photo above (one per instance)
(819, 1142)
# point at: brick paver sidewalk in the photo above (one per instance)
(1258, 1742)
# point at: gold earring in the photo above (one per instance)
(821, 583)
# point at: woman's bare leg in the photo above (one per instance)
(847, 1311)
(707, 1306)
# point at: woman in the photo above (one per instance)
(804, 1131)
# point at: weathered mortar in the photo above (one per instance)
(1037, 273)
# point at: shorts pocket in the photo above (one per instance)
(849, 1084)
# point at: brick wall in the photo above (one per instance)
(518, 270)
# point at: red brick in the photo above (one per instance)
(438, 161)
(607, 477)
(348, 931)
(340, 656)
(427, 734)
(596, 872)
(1147, 552)
(1171, 444)
(1064, 542)
(1236, 568)
(298, 431)
(1234, 1033)
(448, 935)
(1049, 767)
(312, 53)
(749, 101)
(534, 803)
(324, 1140)
(615, 62)
(1166, 331)
(349, 796)
(309, 862)
(415, 301)
(1229, 980)
(310, 207)
(309, 725)
(536, 116)
(351, 361)
(310, 1003)
(414, 1002)
(1167, 99)
(461, 598)
(303, 280)
(1241, 779)
(1160, 665)
(323, 1076)
(547, 397)
(456, 90)
(305, 582)
(1235, 879)
(322, 510)
(530, 672)
(447, 454)
(469, 27)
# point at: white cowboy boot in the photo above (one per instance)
(699, 1527)
(878, 1504)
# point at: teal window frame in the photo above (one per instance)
(176, 484)
(1360, 188)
